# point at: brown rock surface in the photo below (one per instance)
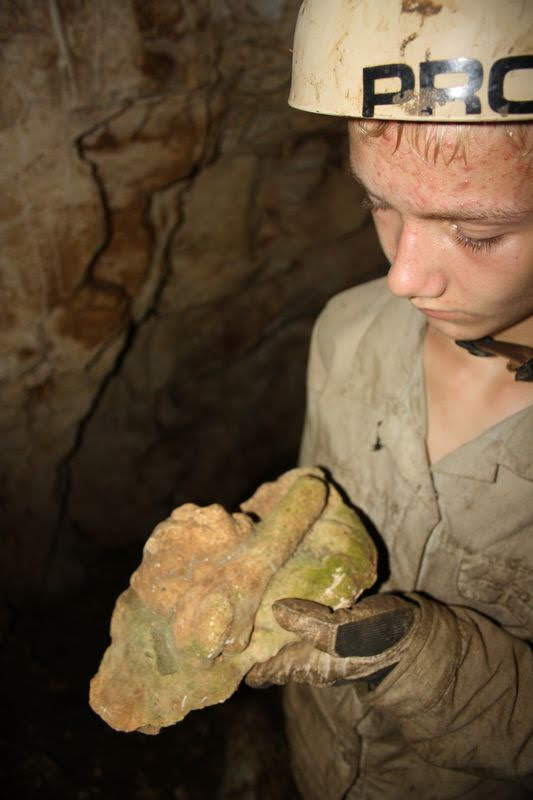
(170, 229)
(197, 615)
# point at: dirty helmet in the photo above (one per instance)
(415, 60)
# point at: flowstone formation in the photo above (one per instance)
(197, 615)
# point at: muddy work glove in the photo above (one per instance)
(366, 641)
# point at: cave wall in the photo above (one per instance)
(170, 229)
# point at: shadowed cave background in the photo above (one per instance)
(170, 229)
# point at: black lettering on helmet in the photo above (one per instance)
(372, 74)
(470, 66)
(499, 70)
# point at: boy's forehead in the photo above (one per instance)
(458, 139)
(445, 149)
(490, 180)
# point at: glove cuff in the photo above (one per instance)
(433, 624)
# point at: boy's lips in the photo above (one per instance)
(442, 314)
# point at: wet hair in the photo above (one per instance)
(427, 139)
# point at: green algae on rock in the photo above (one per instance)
(198, 613)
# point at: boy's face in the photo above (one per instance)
(459, 237)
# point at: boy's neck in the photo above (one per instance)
(519, 357)
(485, 370)
(465, 395)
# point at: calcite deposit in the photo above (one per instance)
(197, 615)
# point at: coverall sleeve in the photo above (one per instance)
(463, 695)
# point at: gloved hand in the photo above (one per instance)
(365, 641)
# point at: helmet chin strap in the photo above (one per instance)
(520, 355)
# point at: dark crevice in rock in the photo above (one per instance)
(87, 275)
(64, 468)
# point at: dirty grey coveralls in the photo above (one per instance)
(455, 718)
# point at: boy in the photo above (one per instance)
(421, 407)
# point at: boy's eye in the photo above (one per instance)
(476, 245)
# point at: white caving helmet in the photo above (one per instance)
(425, 60)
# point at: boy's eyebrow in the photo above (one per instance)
(465, 212)
(475, 214)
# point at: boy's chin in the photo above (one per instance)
(455, 331)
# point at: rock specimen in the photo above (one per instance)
(197, 615)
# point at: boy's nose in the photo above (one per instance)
(417, 269)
